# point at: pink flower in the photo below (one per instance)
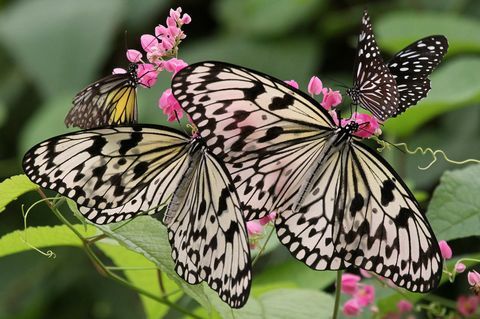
(467, 305)
(174, 65)
(330, 98)
(292, 83)
(147, 75)
(350, 283)
(473, 278)
(351, 308)
(170, 106)
(460, 267)
(254, 228)
(315, 86)
(445, 250)
(149, 42)
(404, 306)
(119, 71)
(267, 218)
(368, 125)
(365, 295)
(186, 19)
(365, 274)
(134, 56)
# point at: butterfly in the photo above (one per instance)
(116, 173)
(338, 203)
(386, 90)
(109, 101)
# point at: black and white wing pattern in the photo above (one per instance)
(111, 173)
(274, 139)
(411, 67)
(266, 132)
(207, 231)
(362, 213)
(109, 101)
(374, 87)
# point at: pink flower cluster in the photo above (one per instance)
(161, 52)
(368, 125)
(362, 295)
(256, 227)
(468, 305)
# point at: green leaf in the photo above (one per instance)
(266, 18)
(454, 85)
(11, 188)
(453, 210)
(148, 236)
(394, 31)
(75, 34)
(146, 279)
(40, 237)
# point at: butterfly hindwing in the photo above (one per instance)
(411, 67)
(109, 101)
(255, 124)
(111, 171)
(207, 231)
(374, 87)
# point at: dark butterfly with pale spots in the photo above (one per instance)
(386, 90)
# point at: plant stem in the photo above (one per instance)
(338, 286)
(263, 247)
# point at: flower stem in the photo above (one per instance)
(338, 285)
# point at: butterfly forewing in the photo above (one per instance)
(411, 67)
(208, 234)
(374, 87)
(254, 123)
(110, 167)
(111, 100)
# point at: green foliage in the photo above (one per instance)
(13, 187)
(455, 205)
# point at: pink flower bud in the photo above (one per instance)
(175, 14)
(315, 86)
(365, 295)
(174, 65)
(460, 267)
(473, 278)
(368, 125)
(134, 56)
(170, 106)
(445, 250)
(349, 283)
(330, 99)
(171, 22)
(160, 30)
(148, 41)
(292, 83)
(186, 19)
(351, 308)
(254, 228)
(404, 306)
(119, 71)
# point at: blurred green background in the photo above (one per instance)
(50, 49)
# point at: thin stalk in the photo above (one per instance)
(338, 286)
(263, 247)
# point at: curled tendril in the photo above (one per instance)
(423, 151)
(193, 128)
(48, 253)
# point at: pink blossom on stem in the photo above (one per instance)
(186, 19)
(292, 83)
(119, 71)
(174, 65)
(267, 218)
(148, 42)
(473, 278)
(404, 306)
(365, 295)
(467, 305)
(349, 283)
(170, 106)
(315, 86)
(351, 308)
(254, 228)
(134, 56)
(445, 250)
(330, 98)
(147, 75)
(368, 125)
(460, 267)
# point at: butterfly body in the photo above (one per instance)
(338, 203)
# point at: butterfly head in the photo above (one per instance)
(351, 127)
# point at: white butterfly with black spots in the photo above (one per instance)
(386, 90)
(116, 173)
(338, 203)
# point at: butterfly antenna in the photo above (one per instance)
(339, 83)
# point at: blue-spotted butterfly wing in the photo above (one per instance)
(109, 101)
(207, 232)
(266, 132)
(374, 87)
(411, 67)
(216, 96)
(117, 173)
